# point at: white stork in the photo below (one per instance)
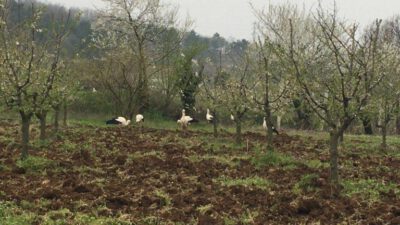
(119, 121)
(209, 117)
(139, 118)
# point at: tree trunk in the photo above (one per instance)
(278, 122)
(367, 125)
(56, 118)
(42, 119)
(143, 92)
(341, 138)
(65, 105)
(333, 150)
(384, 134)
(238, 131)
(215, 123)
(270, 133)
(397, 115)
(26, 120)
(398, 125)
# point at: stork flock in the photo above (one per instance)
(124, 122)
(184, 121)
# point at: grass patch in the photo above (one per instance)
(228, 160)
(35, 163)
(248, 217)
(4, 167)
(139, 155)
(86, 169)
(204, 208)
(165, 199)
(316, 164)
(219, 144)
(368, 189)
(305, 184)
(68, 146)
(11, 214)
(272, 158)
(246, 182)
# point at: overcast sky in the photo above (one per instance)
(234, 18)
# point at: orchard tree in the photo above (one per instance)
(335, 70)
(387, 95)
(272, 90)
(135, 25)
(236, 89)
(391, 30)
(29, 65)
(65, 88)
(210, 88)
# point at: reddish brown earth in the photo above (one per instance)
(109, 169)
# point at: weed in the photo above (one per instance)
(35, 163)
(227, 160)
(69, 146)
(139, 155)
(368, 189)
(272, 158)
(41, 144)
(11, 214)
(248, 217)
(316, 164)
(229, 221)
(165, 199)
(204, 208)
(85, 219)
(249, 181)
(151, 220)
(4, 167)
(305, 184)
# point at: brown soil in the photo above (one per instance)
(126, 171)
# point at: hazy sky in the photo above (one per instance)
(234, 18)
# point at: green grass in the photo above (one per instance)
(273, 158)
(4, 167)
(12, 214)
(368, 189)
(227, 160)
(139, 155)
(316, 164)
(35, 163)
(204, 208)
(254, 181)
(165, 199)
(305, 184)
(355, 144)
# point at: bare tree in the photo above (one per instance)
(349, 68)
(119, 77)
(210, 88)
(272, 83)
(386, 96)
(236, 88)
(334, 69)
(136, 26)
